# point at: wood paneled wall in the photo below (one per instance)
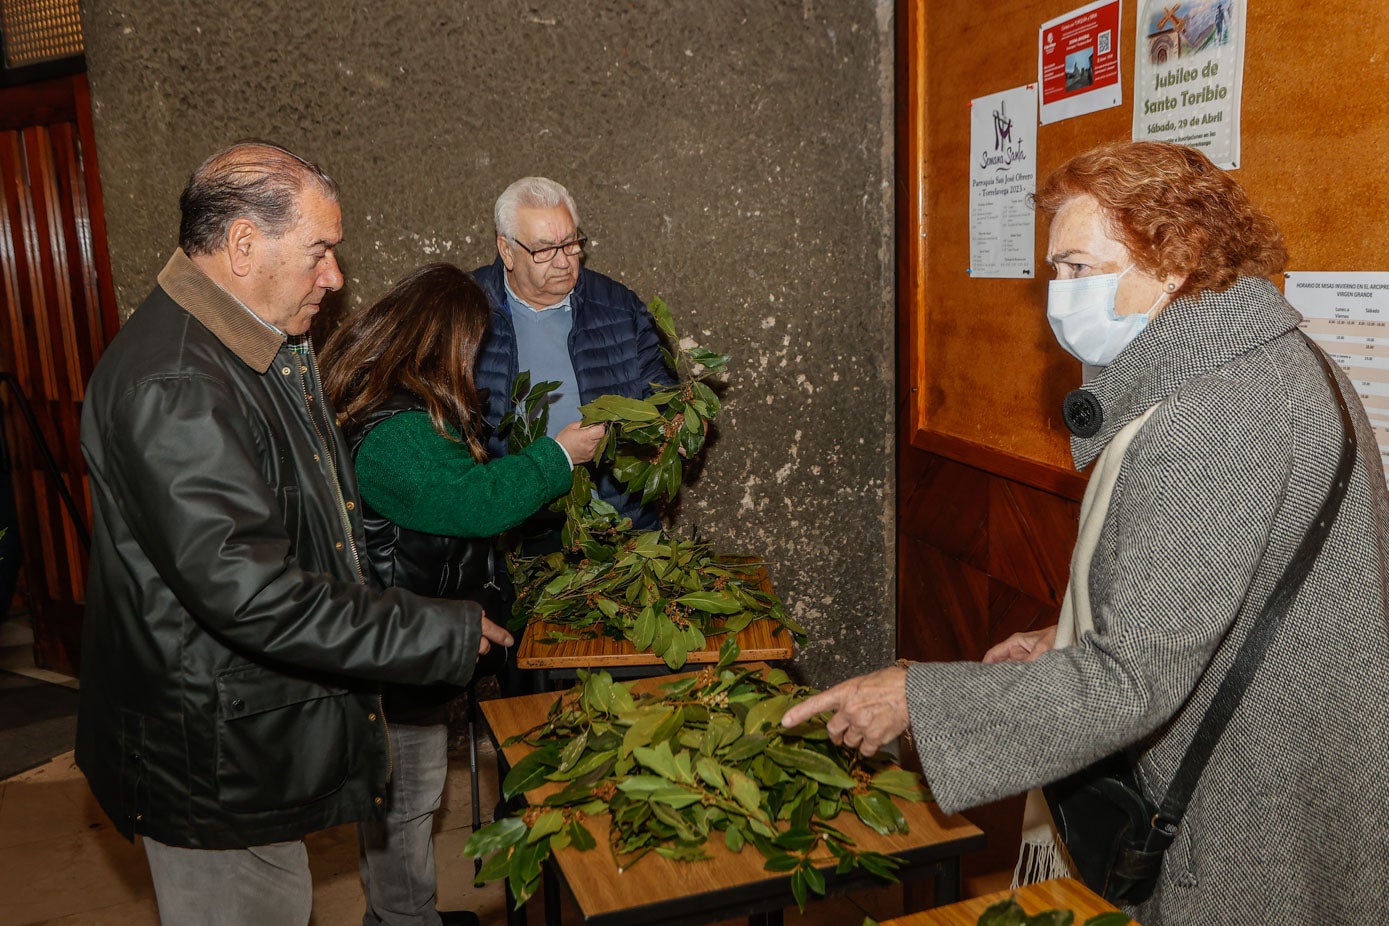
(57, 313)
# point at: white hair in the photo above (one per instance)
(532, 192)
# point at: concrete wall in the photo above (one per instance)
(733, 158)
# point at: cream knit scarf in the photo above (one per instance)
(1042, 856)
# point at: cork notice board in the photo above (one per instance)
(987, 377)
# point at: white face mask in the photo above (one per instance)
(1082, 316)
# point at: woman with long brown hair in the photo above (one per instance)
(400, 375)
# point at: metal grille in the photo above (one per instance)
(36, 31)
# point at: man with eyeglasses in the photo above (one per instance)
(562, 322)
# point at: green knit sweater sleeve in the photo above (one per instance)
(423, 482)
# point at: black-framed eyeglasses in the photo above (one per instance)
(572, 248)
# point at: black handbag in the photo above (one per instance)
(1114, 835)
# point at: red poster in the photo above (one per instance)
(1078, 62)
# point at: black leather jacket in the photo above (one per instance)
(233, 646)
(430, 564)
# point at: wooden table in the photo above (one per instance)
(761, 641)
(1061, 893)
(728, 885)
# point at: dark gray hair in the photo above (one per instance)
(252, 179)
(533, 192)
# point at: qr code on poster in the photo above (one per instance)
(1102, 43)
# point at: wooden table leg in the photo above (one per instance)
(554, 906)
(946, 884)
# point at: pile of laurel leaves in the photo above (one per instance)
(705, 757)
(663, 593)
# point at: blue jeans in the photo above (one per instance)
(258, 886)
(396, 852)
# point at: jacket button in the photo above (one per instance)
(284, 370)
(377, 801)
(315, 458)
(371, 717)
(351, 506)
(338, 544)
(1082, 413)
(238, 704)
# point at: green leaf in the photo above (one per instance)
(879, 865)
(782, 862)
(683, 852)
(766, 713)
(901, 783)
(580, 837)
(1006, 912)
(659, 760)
(728, 653)
(642, 732)
(653, 788)
(495, 867)
(796, 840)
(735, 623)
(644, 629)
(798, 889)
(531, 770)
(713, 602)
(494, 836)
(520, 386)
(525, 869)
(811, 764)
(693, 638)
(589, 764)
(746, 793)
(618, 408)
(661, 313)
(676, 652)
(664, 636)
(570, 753)
(745, 748)
(814, 879)
(877, 811)
(711, 773)
(708, 359)
(546, 824)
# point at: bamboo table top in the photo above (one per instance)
(762, 640)
(1060, 893)
(656, 889)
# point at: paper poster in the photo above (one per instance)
(1002, 174)
(1078, 61)
(1348, 315)
(1188, 74)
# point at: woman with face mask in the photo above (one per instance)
(1219, 436)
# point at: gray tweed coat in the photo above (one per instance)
(1290, 823)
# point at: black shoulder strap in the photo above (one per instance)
(1255, 646)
